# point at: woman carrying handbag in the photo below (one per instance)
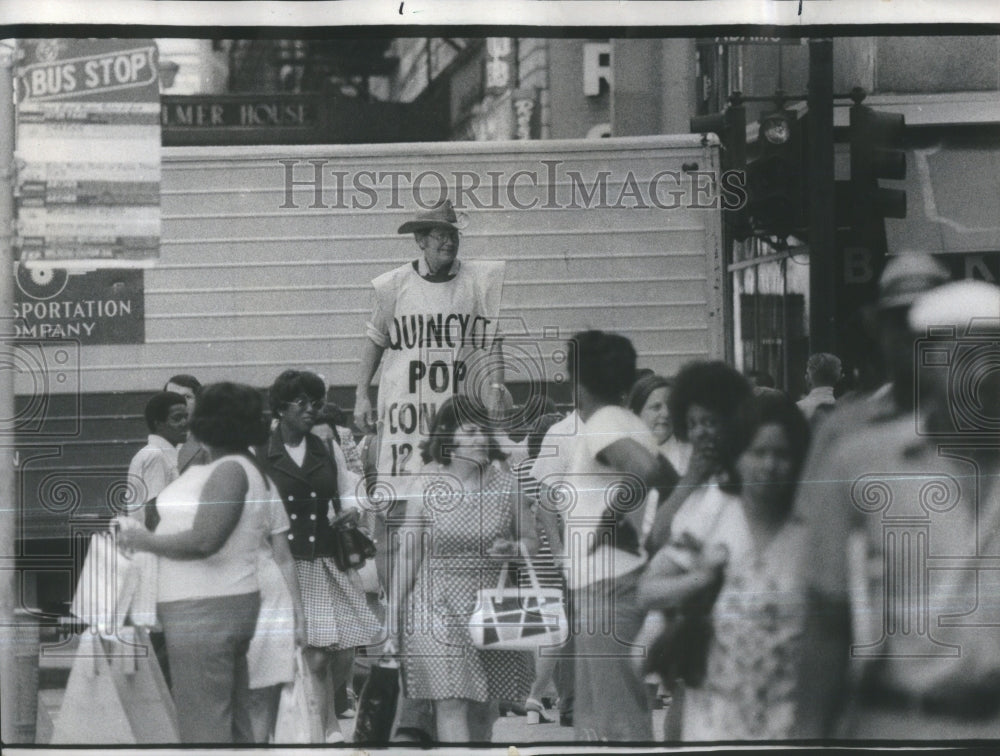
(309, 479)
(470, 519)
(743, 686)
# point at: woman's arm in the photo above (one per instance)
(670, 592)
(286, 563)
(524, 529)
(550, 524)
(219, 510)
(667, 584)
(697, 474)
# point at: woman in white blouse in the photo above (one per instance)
(211, 531)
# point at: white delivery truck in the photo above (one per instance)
(268, 253)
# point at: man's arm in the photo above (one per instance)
(371, 356)
(823, 504)
(645, 470)
(822, 670)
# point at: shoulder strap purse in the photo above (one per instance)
(511, 618)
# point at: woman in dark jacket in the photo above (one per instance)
(309, 480)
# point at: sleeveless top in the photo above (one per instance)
(230, 571)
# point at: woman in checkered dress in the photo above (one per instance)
(309, 479)
(473, 516)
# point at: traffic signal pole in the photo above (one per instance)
(824, 270)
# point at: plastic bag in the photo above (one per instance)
(107, 585)
(116, 694)
(298, 718)
(377, 704)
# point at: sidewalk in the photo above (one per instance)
(510, 730)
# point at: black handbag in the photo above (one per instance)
(681, 650)
(377, 704)
(351, 547)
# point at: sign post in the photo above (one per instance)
(89, 138)
(88, 188)
(9, 600)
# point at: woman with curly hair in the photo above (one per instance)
(311, 481)
(469, 516)
(744, 685)
(704, 405)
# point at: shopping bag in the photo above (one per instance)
(299, 718)
(142, 605)
(116, 694)
(377, 704)
(519, 619)
(106, 587)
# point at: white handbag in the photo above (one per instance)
(519, 619)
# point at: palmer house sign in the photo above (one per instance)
(293, 118)
(222, 111)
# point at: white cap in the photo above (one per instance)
(957, 305)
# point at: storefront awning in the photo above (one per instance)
(953, 197)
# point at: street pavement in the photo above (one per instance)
(508, 730)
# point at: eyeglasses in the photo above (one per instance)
(304, 403)
(442, 235)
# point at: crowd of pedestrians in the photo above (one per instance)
(716, 543)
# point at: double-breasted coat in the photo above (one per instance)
(337, 613)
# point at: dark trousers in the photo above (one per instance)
(159, 644)
(565, 680)
(207, 641)
(612, 702)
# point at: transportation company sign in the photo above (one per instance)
(88, 143)
(98, 307)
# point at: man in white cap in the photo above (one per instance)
(904, 279)
(902, 636)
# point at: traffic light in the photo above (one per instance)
(874, 156)
(776, 184)
(731, 128)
